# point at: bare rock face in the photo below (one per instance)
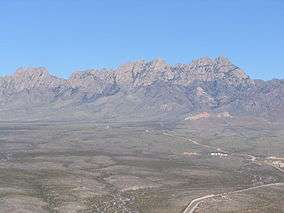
(142, 73)
(206, 69)
(91, 80)
(27, 86)
(33, 78)
(143, 89)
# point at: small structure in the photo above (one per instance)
(278, 164)
(219, 154)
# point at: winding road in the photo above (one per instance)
(193, 205)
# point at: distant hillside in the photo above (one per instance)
(140, 90)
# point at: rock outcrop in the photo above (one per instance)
(142, 89)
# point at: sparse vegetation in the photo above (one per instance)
(86, 167)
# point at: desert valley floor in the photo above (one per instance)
(142, 167)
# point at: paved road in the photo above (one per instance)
(276, 167)
(194, 142)
(195, 203)
(250, 157)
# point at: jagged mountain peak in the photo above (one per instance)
(143, 73)
(139, 73)
(207, 61)
(202, 61)
(31, 71)
(222, 60)
(27, 79)
(157, 65)
(147, 87)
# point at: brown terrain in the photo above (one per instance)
(140, 90)
(146, 137)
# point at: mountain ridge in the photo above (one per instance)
(144, 88)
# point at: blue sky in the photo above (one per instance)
(69, 35)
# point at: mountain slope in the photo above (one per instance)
(140, 90)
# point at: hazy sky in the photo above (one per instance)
(67, 35)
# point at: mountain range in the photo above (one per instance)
(141, 90)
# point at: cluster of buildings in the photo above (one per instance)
(219, 154)
(279, 164)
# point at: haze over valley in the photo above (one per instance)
(141, 106)
(145, 137)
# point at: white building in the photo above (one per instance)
(219, 154)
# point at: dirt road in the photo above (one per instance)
(195, 203)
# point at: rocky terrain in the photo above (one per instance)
(151, 167)
(146, 137)
(140, 90)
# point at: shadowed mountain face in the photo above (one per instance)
(140, 90)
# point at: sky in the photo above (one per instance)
(69, 35)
